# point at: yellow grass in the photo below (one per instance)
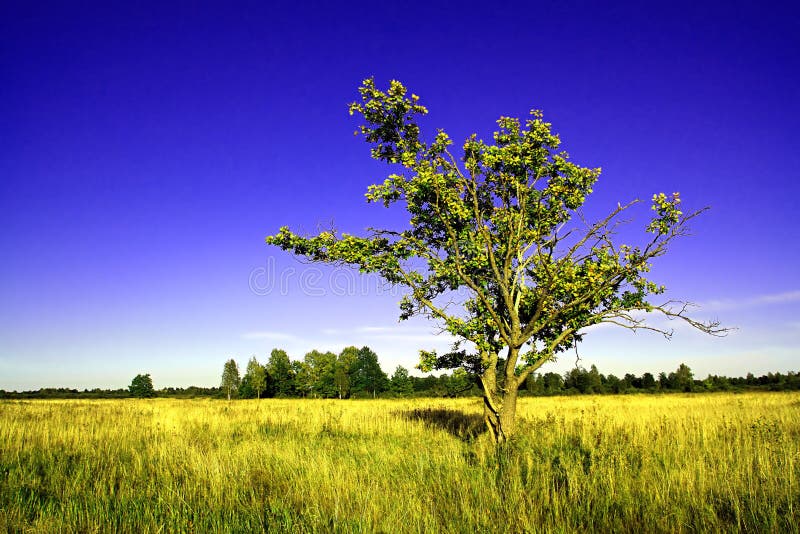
(716, 462)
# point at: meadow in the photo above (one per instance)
(638, 463)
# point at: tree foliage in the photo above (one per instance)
(257, 376)
(367, 376)
(142, 386)
(254, 381)
(322, 373)
(459, 383)
(230, 377)
(501, 222)
(682, 378)
(435, 386)
(401, 383)
(343, 375)
(281, 374)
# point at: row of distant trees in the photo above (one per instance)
(353, 372)
(356, 373)
(591, 381)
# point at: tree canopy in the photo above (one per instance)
(254, 380)
(501, 223)
(142, 386)
(230, 377)
(280, 371)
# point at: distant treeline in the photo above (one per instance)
(356, 373)
(97, 393)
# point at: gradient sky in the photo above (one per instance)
(145, 153)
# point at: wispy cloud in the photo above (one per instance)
(384, 329)
(407, 333)
(789, 296)
(752, 302)
(427, 338)
(371, 329)
(331, 331)
(280, 336)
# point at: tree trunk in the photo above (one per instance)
(508, 415)
(499, 400)
(500, 415)
(492, 420)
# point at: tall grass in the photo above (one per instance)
(717, 462)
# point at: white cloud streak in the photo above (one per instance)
(372, 329)
(752, 302)
(391, 333)
(278, 336)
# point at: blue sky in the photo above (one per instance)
(146, 151)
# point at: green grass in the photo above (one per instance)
(720, 462)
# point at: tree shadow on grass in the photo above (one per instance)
(461, 425)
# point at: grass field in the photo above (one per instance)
(676, 463)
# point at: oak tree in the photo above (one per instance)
(497, 249)
(142, 386)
